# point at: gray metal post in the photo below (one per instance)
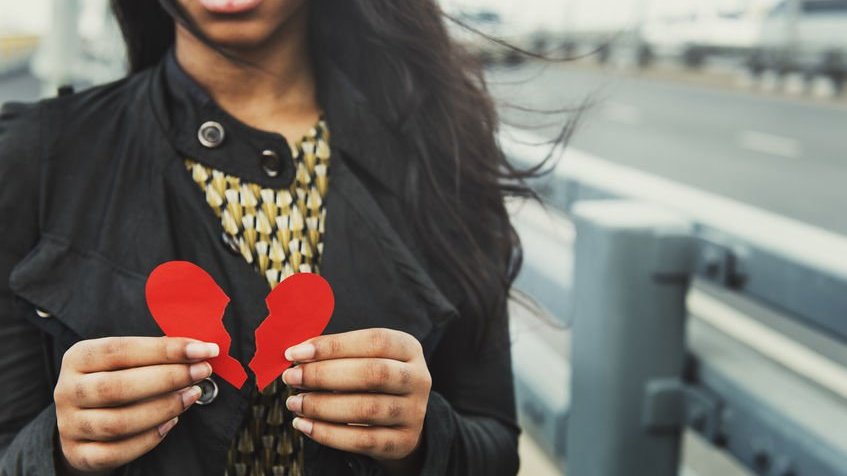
(632, 264)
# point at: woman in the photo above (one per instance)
(257, 139)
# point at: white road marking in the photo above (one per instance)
(622, 113)
(770, 144)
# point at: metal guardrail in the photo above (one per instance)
(640, 371)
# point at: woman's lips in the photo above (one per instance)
(230, 6)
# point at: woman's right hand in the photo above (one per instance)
(118, 397)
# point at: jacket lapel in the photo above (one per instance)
(378, 282)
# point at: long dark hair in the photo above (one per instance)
(400, 54)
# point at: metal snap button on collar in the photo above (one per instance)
(211, 134)
(43, 314)
(208, 391)
(271, 163)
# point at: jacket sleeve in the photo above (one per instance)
(470, 427)
(27, 417)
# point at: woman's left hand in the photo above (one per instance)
(363, 392)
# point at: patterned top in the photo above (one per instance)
(279, 232)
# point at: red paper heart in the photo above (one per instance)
(300, 308)
(186, 302)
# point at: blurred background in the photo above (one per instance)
(729, 114)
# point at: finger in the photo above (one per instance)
(108, 389)
(374, 441)
(101, 456)
(353, 375)
(113, 353)
(368, 409)
(110, 424)
(385, 343)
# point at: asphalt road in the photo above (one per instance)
(785, 155)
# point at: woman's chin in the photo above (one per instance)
(244, 36)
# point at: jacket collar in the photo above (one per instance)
(183, 106)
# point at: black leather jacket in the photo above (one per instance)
(94, 195)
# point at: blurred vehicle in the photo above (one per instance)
(805, 36)
(703, 30)
(480, 30)
(16, 50)
(783, 36)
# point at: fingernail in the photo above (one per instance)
(200, 370)
(295, 403)
(166, 427)
(201, 350)
(190, 396)
(301, 352)
(303, 425)
(293, 376)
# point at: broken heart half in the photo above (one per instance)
(300, 308)
(186, 302)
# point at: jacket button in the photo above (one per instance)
(208, 391)
(271, 163)
(231, 243)
(43, 314)
(211, 134)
